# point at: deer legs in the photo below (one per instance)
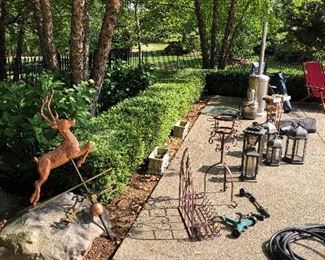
(44, 168)
(84, 151)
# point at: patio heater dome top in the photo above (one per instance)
(298, 131)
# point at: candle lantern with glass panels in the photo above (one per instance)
(296, 145)
(253, 145)
(274, 152)
(271, 133)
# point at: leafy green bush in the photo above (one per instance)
(24, 134)
(290, 52)
(123, 81)
(234, 82)
(126, 134)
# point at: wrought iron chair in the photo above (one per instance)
(315, 80)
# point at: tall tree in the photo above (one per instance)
(138, 30)
(235, 31)
(43, 16)
(77, 45)
(86, 40)
(226, 35)
(203, 34)
(20, 43)
(103, 48)
(214, 31)
(218, 56)
(3, 72)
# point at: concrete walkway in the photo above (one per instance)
(293, 194)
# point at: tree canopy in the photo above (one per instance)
(220, 29)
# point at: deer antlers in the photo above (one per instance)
(47, 101)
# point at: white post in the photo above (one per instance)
(262, 80)
(260, 66)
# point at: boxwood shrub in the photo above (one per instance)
(234, 82)
(126, 134)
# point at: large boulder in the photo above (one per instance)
(61, 229)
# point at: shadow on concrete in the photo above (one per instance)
(159, 220)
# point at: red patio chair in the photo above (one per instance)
(315, 80)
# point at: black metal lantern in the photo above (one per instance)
(296, 145)
(271, 133)
(274, 152)
(254, 137)
(251, 159)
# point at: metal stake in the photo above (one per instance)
(82, 180)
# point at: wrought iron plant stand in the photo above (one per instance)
(224, 132)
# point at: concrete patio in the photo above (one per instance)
(293, 194)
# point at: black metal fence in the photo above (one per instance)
(167, 62)
(33, 66)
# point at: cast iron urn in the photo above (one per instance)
(296, 145)
(251, 161)
(273, 152)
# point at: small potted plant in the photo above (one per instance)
(181, 129)
(158, 161)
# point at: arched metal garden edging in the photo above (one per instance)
(197, 212)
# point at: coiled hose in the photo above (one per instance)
(279, 246)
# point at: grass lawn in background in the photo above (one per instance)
(151, 47)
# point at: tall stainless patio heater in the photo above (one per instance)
(260, 82)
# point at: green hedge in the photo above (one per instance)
(126, 134)
(235, 82)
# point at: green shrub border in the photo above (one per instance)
(126, 134)
(235, 82)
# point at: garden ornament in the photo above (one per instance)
(196, 210)
(67, 150)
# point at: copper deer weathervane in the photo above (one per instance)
(67, 150)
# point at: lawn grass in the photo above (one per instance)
(151, 47)
(160, 61)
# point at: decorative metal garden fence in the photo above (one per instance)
(33, 66)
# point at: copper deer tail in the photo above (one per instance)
(35, 160)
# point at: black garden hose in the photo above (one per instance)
(279, 246)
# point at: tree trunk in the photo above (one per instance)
(20, 44)
(228, 28)
(77, 41)
(138, 31)
(3, 63)
(202, 31)
(235, 31)
(39, 22)
(214, 31)
(103, 48)
(48, 35)
(43, 16)
(86, 41)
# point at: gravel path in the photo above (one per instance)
(293, 194)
